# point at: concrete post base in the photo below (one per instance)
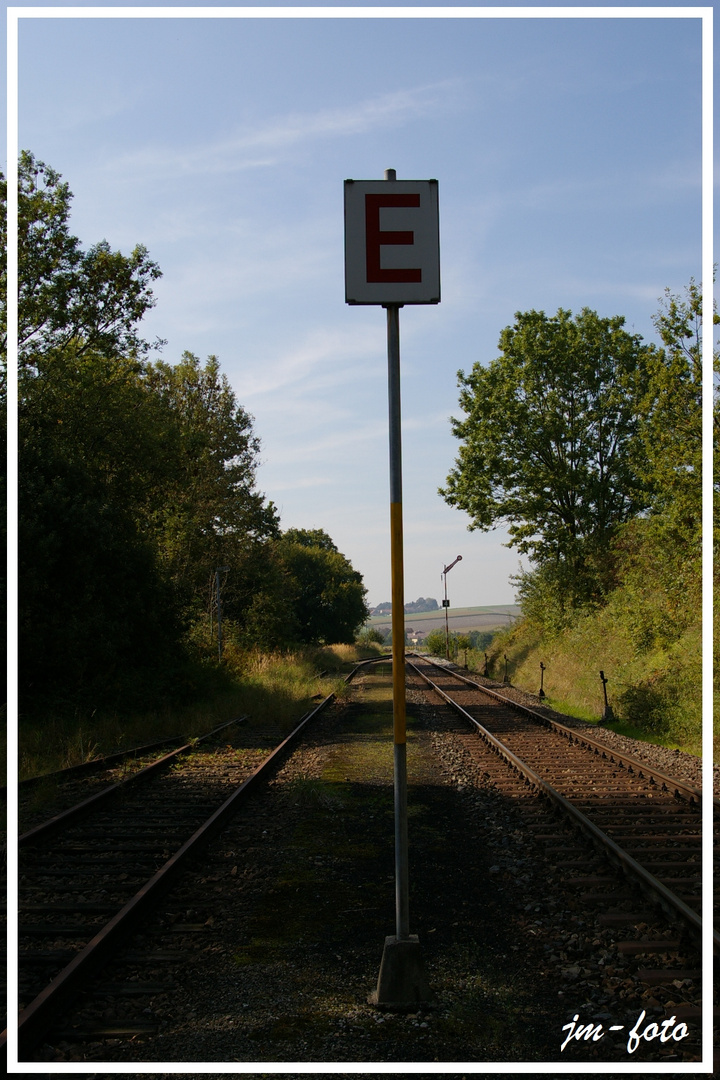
(402, 983)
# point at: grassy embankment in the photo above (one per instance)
(655, 693)
(273, 690)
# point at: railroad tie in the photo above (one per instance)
(667, 975)
(625, 918)
(631, 948)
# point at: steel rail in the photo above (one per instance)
(671, 903)
(59, 821)
(677, 787)
(96, 764)
(35, 1019)
(386, 658)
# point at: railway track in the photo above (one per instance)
(92, 870)
(648, 823)
(74, 784)
(631, 839)
(612, 944)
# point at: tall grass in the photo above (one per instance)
(655, 693)
(273, 689)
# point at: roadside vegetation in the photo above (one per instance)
(141, 528)
(654, 694)
(585, 442)
(273, 690)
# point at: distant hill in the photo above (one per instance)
(421, 604)
(459, 619)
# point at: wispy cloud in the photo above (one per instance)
(266, 143)
(324, 354)
(301, 482)
(333, 442)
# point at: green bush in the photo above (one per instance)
(435, 642)
(371, 635)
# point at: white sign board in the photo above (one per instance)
(392, 242)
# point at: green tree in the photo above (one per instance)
(313, 538)
(326, 594)
(93, 299)
(550, 441)
(136, 478)
(262, 608)
(435, 642)
(94, 602)
(672, 416)
(480, 639)
(137, 481)
(659, 554)
(210, 513)
(97, 621)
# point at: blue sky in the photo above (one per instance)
(568, 158)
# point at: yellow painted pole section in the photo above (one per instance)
(398, 622)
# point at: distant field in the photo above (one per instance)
(459, 619)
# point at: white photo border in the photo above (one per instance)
(705, 15)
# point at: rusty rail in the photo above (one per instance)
(677, 787)
(671, 903)
(35, 1019)
(59, 821)
(96, 764)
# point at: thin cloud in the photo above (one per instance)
(324, 352)
(301, 482)
(332, 443)
(265, 145)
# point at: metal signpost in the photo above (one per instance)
(446, 605)
(392, 258)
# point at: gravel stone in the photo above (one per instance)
(290, 909)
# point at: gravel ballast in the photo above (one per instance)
(288, 915)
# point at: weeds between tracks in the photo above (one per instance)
(273, 689)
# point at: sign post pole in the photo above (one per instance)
(369, 279)
(446, 605)
(402, 903)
